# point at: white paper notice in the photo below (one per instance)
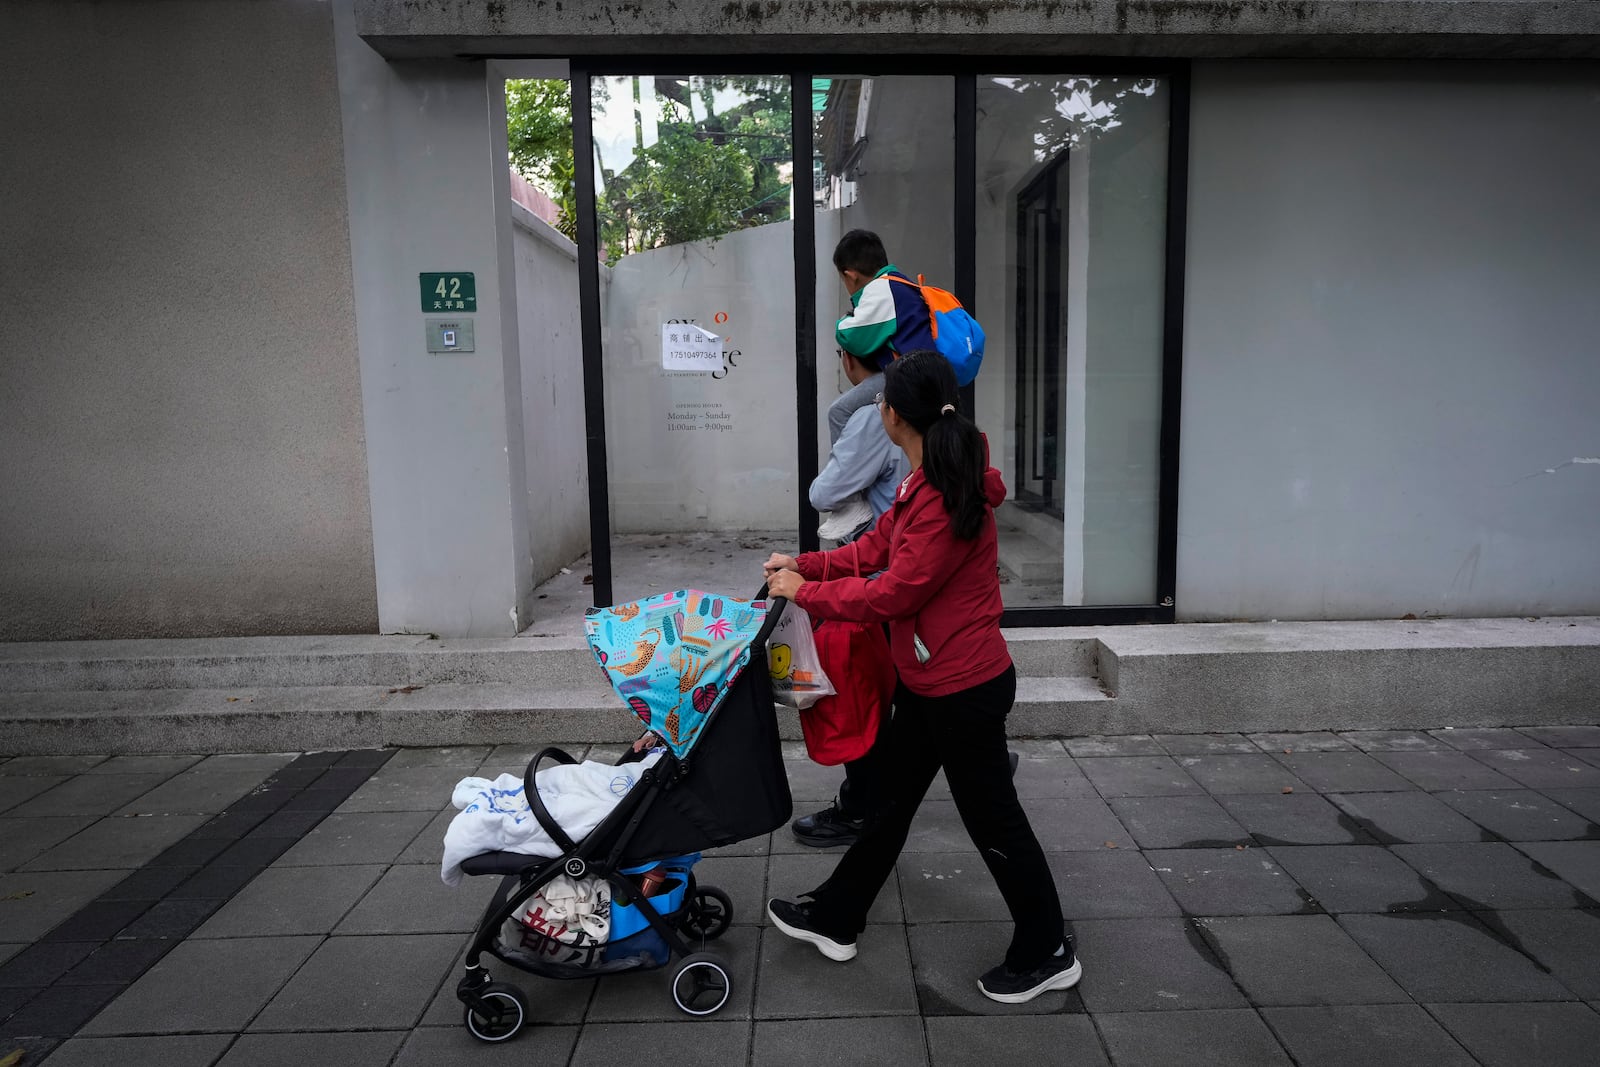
(685, 346)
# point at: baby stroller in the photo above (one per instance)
(692, 666)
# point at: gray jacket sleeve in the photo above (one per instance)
(857, 461)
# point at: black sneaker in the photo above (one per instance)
(794, 919)
(1009, 987)
(827, 828)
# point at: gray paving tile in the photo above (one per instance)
(1416, 816)
(1445, 769)
(1513, 1035)
(1438, 958)
(450, 1046)
(1233, 1038)
(1564, 736)
(959, 1041)
(464, 758)
(944, 887)
(1481, 740)
(7, 951)
(1374, 1035)
(790, 874)
(893, 1042)
(812, 784)
(428, 845)
(1585, 802)
(1229, 881)
(1134, 965)
(363, 983)
(41, 964)
(1205, 744)
(1293, 819)
(1178, 822)
(1036, 777)
(1542, 768)
(193, 1050)
(116, 842)
(37, 901)
(1299, 959)
(1102, 885)
(1139, 776)
(1575, 862)
(1342, 772)
(292, 900)
(18, 790)
(23, 839)
(198, 790)
(1521, 815)
(49, 766)
(118, 962)
(346, 1050)
(406, 789)
(947, 960)
(1060, 824)
(701, 1043)
(1121, 745)
(1491, 875)
(1391, 740)
(364, 837)
(1285, 743)
(412, 899)
(1567, 942)
(260, 764)
(646, 996)
(153, 764)
(798, 982)
(1227, 774)
(97, 794)
(204, 985)
(1359, 878)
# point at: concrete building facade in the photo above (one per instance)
(219, 413)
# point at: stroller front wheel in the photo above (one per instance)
(708, 914)
(497, 1012)
(700, 985)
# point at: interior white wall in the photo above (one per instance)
(1390, 384)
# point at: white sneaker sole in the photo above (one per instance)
(829, 948)
(1065, 980)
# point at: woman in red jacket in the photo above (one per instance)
(940, 594)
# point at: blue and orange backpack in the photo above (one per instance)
(956, 334)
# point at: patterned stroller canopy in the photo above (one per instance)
(673, 657)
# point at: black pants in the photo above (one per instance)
(965, 734)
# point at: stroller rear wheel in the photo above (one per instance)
(708, 913)
(700, 985)
(497, 1012)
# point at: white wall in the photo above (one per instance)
(550, 333)
(732, 465)
(1390, 375)
(180, 406)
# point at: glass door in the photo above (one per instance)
(693, 223)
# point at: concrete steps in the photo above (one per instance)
(295, 694)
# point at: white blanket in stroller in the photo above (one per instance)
(495, 816)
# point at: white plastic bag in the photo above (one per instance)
(567, 921)
(797, 676)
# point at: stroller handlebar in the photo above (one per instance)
(775, 608)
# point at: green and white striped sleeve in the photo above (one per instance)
(870, 324)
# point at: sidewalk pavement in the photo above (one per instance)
(1377, 897)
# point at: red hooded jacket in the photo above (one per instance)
(933, 586)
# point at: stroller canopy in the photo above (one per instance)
(673, 657)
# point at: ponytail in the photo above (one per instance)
(921, 387)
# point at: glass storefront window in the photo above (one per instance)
(1071, 240)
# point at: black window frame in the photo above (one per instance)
(964, 70)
